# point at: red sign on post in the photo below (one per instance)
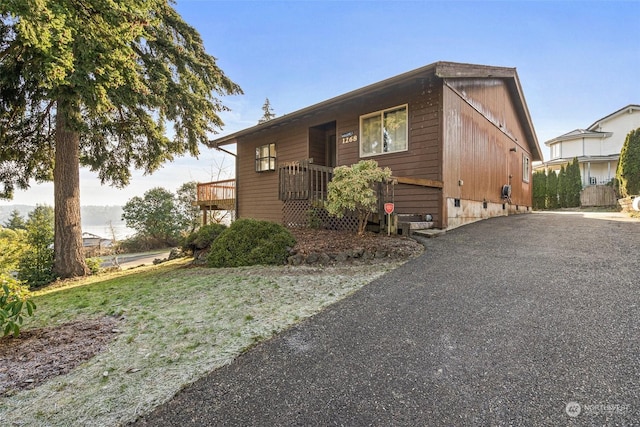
(388, 208)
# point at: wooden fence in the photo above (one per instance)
(598, 195)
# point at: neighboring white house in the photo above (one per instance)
(597, 147)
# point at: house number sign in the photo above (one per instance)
(349, 137)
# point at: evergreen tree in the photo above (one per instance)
(574, 184)
(36, 264)
(628, 171)
(539, 189)
(268, 112)
(95, 83)
(562, 188)
(552, 190)
(16, 221)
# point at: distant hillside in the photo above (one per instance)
(92, 216)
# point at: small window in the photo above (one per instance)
(266, 158)
(555, 151)
(384, 132)
(526, 168)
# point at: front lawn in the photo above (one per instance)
(174, 325)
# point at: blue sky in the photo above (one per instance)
(578, 61)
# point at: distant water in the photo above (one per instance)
(121, 231)
(95, 219)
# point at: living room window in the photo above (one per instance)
(266, 157)
(384, 131)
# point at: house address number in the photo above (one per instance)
(349, 137)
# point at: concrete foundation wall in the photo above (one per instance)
(471, 211)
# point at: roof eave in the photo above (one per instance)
(279, 121)
(569, 137)
(629, 107)
(454, 70)
(441, 69)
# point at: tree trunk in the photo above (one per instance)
(68, 254)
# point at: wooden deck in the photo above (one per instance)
(218, 195)
(304, 181)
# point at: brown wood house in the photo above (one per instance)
(458, 139)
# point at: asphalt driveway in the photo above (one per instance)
(524, 320)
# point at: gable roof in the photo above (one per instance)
(440, 69)
(577, 133)
(628, 109)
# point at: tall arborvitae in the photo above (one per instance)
(628, 171)
(539, 189)
(552, 190)
(562, 188)
(574, 184)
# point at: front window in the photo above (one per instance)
(526, 166)
(555, 151)
(266, 157)
(384, 132)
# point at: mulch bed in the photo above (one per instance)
(38, 354)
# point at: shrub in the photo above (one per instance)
(94, 265)
(314, 216)
(251, 242)
(14, 300)
(628, 172)
(203, 237)
(140, 243)
(352, 189)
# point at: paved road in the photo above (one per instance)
(135, 260)
(510, 321)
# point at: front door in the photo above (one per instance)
(322, 144)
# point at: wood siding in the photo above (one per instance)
(481, 132)
(258, 191)
(424, 156)
(459, 131)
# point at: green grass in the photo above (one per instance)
(177, 325)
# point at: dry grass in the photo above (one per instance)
(176, 325)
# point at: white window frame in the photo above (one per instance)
(266, 163)
(381, 114)
(526, 167)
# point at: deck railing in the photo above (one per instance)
(218, 192)
(304, 181)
